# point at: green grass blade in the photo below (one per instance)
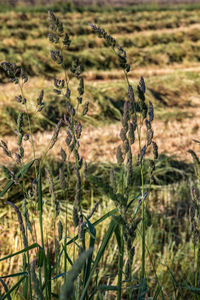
(104, 243)
(35, 245)
(193, 289)
(142, 290)
(158, 290)
(5, 288)
(14, 275)
(48, 275)
(13, 288)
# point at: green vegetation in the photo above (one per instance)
(127, 228)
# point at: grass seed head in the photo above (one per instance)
(119, 156)
(155, 150)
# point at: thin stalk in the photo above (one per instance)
(41, 226)
(142, 180)
(65, 246)
(120, 265)
(197, 258)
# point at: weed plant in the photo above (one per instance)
(67, 266)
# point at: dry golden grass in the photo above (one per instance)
(100, 144)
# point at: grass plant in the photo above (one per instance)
(69, 250)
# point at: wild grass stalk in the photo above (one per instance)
(134, 116)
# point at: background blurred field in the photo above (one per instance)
(163, 46)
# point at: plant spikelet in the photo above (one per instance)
(55, 135)
(119, 156)
(21, 224)
(155, 150)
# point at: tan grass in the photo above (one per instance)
(100, 144)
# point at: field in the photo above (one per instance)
(162, 44)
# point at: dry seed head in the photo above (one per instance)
(151, 111)
(134, 122)
(131, 133)
(131, 96)
(68, 93)
(81, 229)
(53, 38)
(55, 134)
(18, 98)
(149, 136)
(75, 216)
(66, 41)
(126, 146)
(148, 124)
(123, 134)
(126, 116)
(8, 153)
(58, 92)
(17, 158)
(63, 183)
(4, 145)
(142, 85)
(53, 56)
(119, 156)
(78, 130)
(81, 86)
(60, 230)
(20, 139)
(26, 137)
(155, 150)
(144, 109)
(141, 155)
(20, 122)
(129, 168)
(93, 210)
(85, 109)
(21, 224)
(69, 137)
(70, 108)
